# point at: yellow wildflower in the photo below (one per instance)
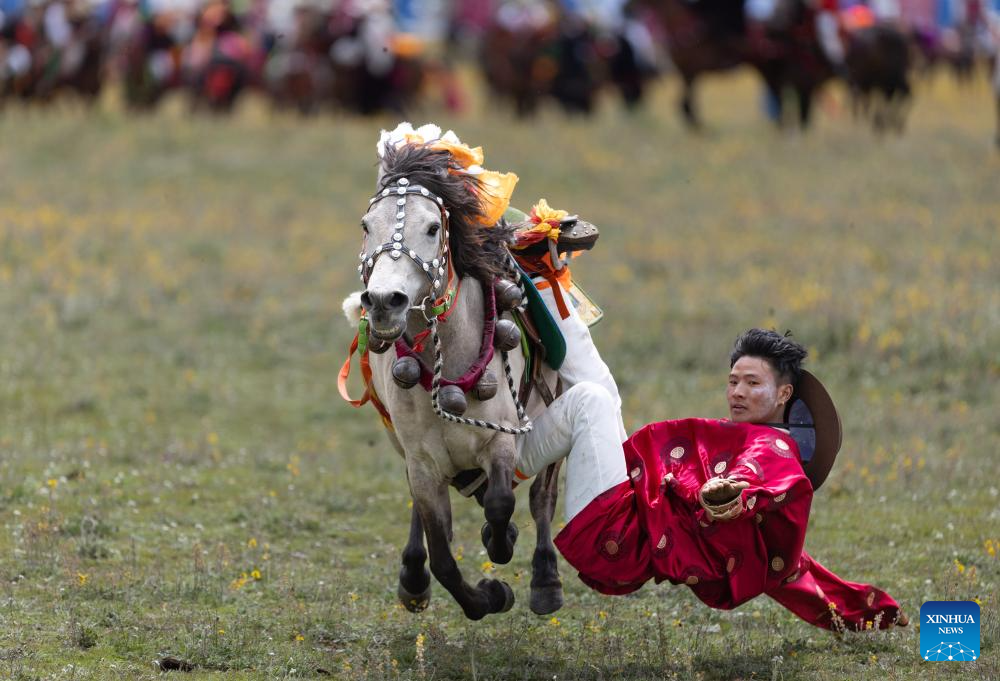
(52, 483)
(255, 574)
(81, 578)
(252, 543)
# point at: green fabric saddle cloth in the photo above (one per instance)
(552, 338)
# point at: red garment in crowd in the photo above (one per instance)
(652, 526)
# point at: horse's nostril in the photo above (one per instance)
(366, 301)
(398, 300)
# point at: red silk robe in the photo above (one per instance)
(652, 526)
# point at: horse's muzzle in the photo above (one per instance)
(386, 313)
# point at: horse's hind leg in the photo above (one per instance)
(546, 587)
(430, 499)
(499, 533)
(414, 589)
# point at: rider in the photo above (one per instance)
(651, 508)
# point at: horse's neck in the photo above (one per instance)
(461, 334)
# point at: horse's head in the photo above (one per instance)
(405, 255)
(420, 231)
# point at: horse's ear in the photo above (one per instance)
(352, 308)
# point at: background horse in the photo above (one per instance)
(878, 64)
(421, 237)
(711, 35)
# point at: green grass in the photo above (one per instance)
(170, 301)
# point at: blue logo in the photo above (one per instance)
(949, 631)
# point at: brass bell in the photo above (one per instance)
(508, 294)
(406, 372)
(486, 386)
(452, 400)
(507, 336)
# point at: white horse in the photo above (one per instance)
(425, 257)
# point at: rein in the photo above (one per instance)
(433, 312)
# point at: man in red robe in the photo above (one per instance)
(721, 506)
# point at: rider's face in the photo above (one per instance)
(755, 394)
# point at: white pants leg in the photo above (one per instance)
(829, 37)
(583, 362)
(581, 424)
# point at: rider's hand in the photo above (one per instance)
(720, 497)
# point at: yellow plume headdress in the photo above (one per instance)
(496, 187)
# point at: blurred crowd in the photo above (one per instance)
(360, 55)
(370, 55)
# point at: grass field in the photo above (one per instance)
(178, 476)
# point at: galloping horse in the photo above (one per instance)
(424, 258)
(710, 35)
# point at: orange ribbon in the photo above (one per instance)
(369, 394)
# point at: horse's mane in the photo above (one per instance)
(476, 250)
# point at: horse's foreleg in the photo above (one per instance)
(688, 111)
(499, 534)
(414, 589)
(546, 587)
(430, 499)
(805, 95)
(998, 114)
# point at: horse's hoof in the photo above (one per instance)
(414, 602)
(546, 600)
(500, 595)
(487, 536)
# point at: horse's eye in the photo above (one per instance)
(364, 227)
(433, 229)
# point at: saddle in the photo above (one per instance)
(547, 258)
(541, 339)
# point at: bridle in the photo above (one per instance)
(430, 307)
(434, 269)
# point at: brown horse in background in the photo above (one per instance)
(710, 35)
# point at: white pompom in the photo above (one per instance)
(395, 138)
(429, 132)
(352, 308)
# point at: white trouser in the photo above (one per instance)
(583, 362)
(581, 424)
(829, 37)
